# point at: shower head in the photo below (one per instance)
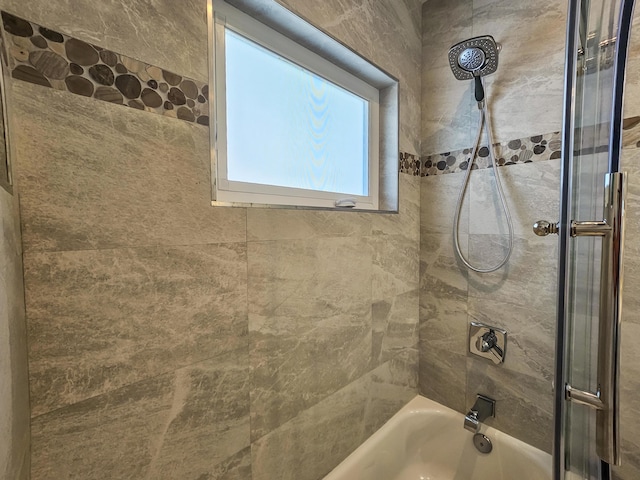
(474, 58)
(471, 59)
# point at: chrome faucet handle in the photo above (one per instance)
(487, 342)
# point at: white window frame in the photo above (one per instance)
(232, 192)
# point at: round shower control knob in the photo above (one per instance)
(542, 228)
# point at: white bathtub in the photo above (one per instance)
(427, 441)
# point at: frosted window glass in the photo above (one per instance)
(288, 127)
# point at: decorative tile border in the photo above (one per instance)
(49, 58)
(524, 150)
(46, 57)
(409, 164)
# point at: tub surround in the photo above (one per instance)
(184, 333)
(521, 298)
(525, 101)
(232, 343)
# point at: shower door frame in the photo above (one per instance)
(574, 14)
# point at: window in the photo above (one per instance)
(291, 127)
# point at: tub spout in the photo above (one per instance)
(484, 408)
(471, 422)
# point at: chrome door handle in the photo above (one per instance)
(542, 228)
(607, 400)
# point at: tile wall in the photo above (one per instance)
(525, 105)
(14, 388)
(524, 99)
(171, 339)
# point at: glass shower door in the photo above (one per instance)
(591, 228)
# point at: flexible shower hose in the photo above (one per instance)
(484, 120)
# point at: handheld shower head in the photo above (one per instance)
(474, 58)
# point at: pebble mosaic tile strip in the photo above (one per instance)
(524, 150)
(409, 164)
(46, 57)
(49, 58)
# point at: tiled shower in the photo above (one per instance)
(171, 339)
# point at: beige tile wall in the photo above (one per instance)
(14, 388)
(171, 339)
(524, 99)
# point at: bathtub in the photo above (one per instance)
(427, 441)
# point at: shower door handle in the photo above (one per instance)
(542, 228)
(606, 400)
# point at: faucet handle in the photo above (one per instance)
(487, 342)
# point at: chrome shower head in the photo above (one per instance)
(474, 58)
(471, 59)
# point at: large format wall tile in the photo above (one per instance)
(236, 467)
(630, 354)
(632, 85)
(309, 324)
(407, 221)
(96, 175)
(442, 376)
(629, 402)
(102, 319)
(532, 193)
(395, 296)
(631, 301)
(443, 322)
(395, 265)
(446, 102)
(394, 327)
(391, 386)
(443, 295)
(312, 444)
(284, 224)
(523, 98)
(439, 201)
(14, 382)
(529, 279)
(189, 424)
